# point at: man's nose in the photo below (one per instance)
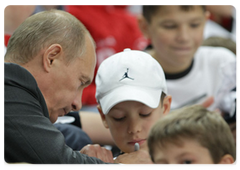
(77, 102)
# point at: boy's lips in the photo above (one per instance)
(179, 51)
(139, 141)
(182, 48)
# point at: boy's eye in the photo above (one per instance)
(170, 26)
(145, 115)
(195, 25)
(119, 119)
(187, 162)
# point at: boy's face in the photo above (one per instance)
(130, 122)
(176, 34)
(191, 152)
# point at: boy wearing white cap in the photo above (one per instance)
(131, 92)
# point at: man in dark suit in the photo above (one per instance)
(50, 59)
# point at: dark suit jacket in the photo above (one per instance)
(29, 135)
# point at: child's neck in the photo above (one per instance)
(169, 67)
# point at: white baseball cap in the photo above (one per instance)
(130, 75)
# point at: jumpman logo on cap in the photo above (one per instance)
(126, 76)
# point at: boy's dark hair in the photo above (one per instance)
(149, 10)
(163, 95)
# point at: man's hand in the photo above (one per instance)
(98, 152)
(137, 157)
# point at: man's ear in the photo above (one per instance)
(167, 104)
(226, 159)
(50, 55)
(143, 25)
(102, 116)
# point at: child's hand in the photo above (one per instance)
(208, 102)
(137, 157)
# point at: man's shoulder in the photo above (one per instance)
(15, 75)
(21, 87)
(12, 69)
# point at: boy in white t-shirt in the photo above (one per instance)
(194, 73)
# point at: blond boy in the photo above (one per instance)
(192, 135)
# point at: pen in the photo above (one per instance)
(136, 147)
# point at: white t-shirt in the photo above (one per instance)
(213, 74)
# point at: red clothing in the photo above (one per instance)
(6, 39)
(113, 28)
(225, 22)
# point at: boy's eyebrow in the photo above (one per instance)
(183, 154)
(119, 109)
(174, 21)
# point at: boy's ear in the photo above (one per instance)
(226, 159)
(143, 25)
(207, 15)
(50, 55)
(102, 116)
(167, 104)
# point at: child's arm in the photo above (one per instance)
(137, 157)
(93, 126)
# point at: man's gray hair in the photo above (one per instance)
(43, 29)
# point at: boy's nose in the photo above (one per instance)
(183, 34)
(134, 127)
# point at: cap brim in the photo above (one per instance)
(147, 96)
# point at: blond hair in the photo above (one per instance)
(194, 123)
(44, 29)
(220, 42)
